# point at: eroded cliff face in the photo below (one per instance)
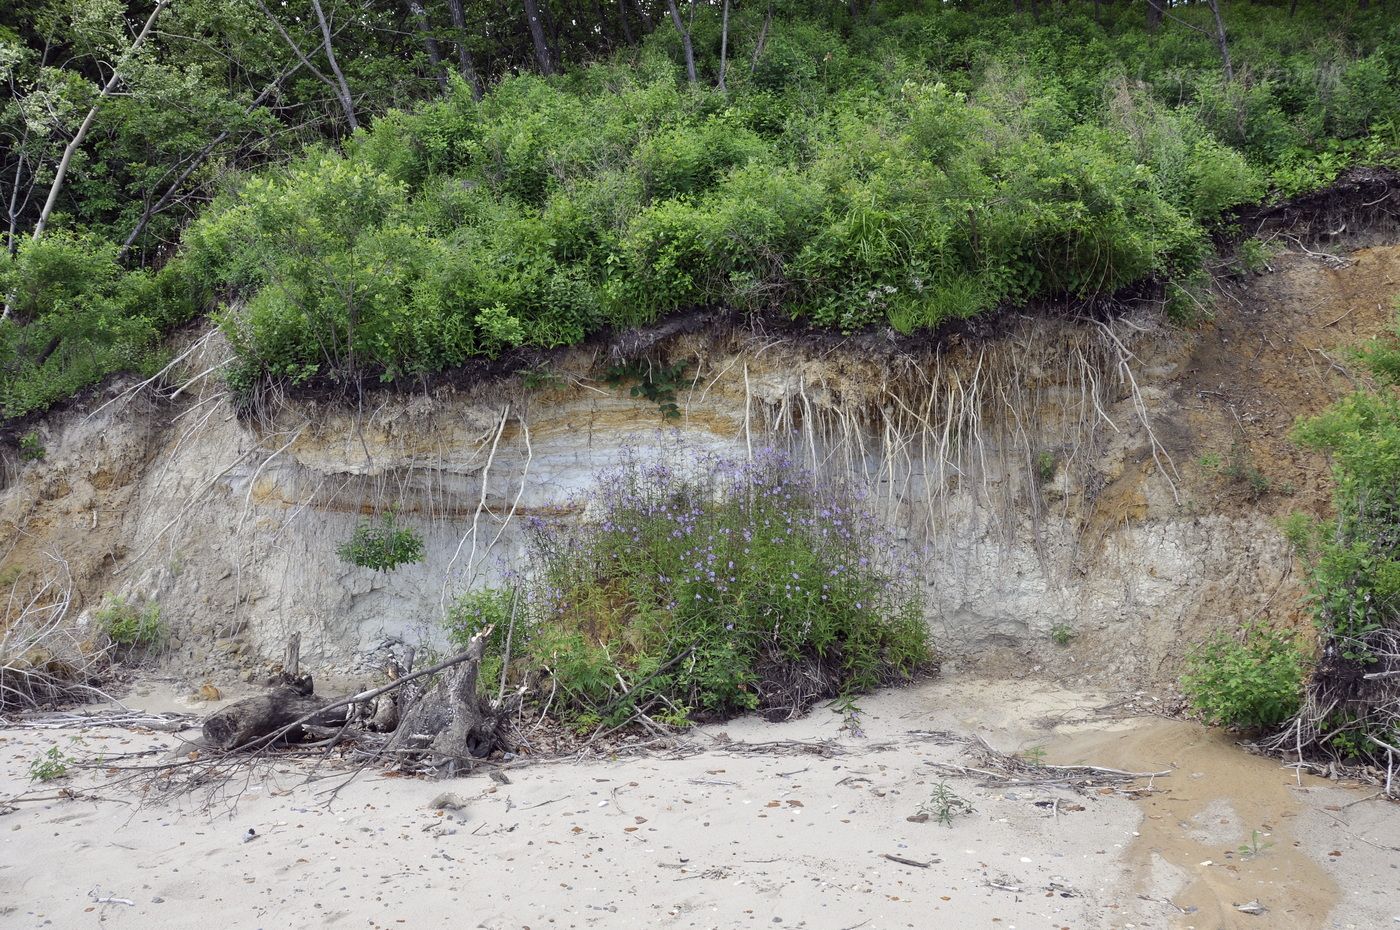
(1119, 480)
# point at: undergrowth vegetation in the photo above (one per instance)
(1254, 682)
(1352, 709)
(700, 588)
(1342, 703)
(131, 625)
(914, 165)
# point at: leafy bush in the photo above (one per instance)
(473, 612)
(702, 587)
(382, 545)
(130, 625)
(534, 218)
(76, 317)
(31, 447)
(1253, 683)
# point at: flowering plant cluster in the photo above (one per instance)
(704, 587)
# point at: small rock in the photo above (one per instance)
(157, 900)
(917, 818)
(208, 692)
(447, 801)
(1253, 907)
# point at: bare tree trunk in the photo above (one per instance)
(430, 42)
(11, 242)
(724, 46)
(61, 174)
(622, 17)
(762, 39)
(542, 56)
(1221, 41)
(551, 26)
(346, 103)
(464, 54)
(342, 88)
(1154, 14)
(685, 40)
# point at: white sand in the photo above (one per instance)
(716, 840)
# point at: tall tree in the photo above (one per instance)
(430, 43)
(464, 52)
(337, 86)
(1217, 35)
(342, 88)
(1222, 42)
(686, 47)
(762, 39)
(724, 45)
(542, 54)
(622, 18)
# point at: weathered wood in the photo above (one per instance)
(265, 715)
(471, 731)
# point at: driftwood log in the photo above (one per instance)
(441, 720)
(245, 723)
(254, 720)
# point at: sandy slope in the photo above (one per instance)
(719, 839)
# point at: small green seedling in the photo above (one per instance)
(945, 804)
(1034, 755)
(50, 765)
(850, 711)
(1254, 848)
(1061, 634)
(382, 545)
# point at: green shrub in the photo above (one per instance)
(1254, 682)
(382, 545)
(703, 588)
(77, 317)
(473, 612)
(131, 625)
(1353, 563)
(920, 165)
(31, 447)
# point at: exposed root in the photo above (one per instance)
(44, 659)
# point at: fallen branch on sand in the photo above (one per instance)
(999, 770)
(903, 861)
(119, 719)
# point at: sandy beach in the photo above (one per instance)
(737, 835)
